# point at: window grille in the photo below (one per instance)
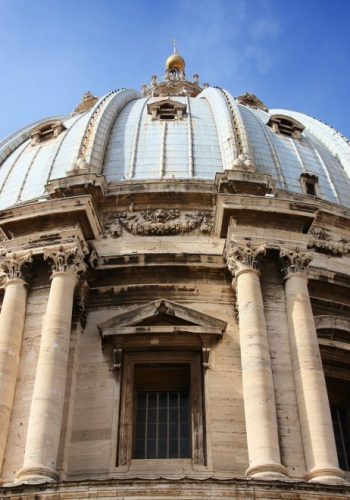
(162, 425)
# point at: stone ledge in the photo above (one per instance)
(160, 488)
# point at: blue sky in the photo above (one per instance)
(292, 54)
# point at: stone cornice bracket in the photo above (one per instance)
(11, 264)
(295, 261)
(66, 259)
(244, 255)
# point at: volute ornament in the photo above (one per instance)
(295, 261)
(244, 255)
(65, 259)
(12, 264)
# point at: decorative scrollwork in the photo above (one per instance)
(243, 255)
(65, 259)
(322, 241)
(294, 261)
(158, 222)
(13, 264)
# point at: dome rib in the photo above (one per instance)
(190, 139)
(59, 148)
(265, 134)
(237, 124)
(13, 165)
(134, 150)
(223, 123)
(103, 115)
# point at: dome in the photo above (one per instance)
(174, 300)
(191, 134)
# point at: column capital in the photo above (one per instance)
(244, 256)
(12, 264)
(66, 259)
(294, 261)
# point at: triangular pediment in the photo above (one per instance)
(162, 314)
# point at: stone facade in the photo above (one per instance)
(245, 285)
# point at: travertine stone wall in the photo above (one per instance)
(95, 405)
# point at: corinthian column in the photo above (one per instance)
(258, 388)
(45, 418)
(313, 406)
(11, 330)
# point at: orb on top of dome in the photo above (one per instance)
(175, 61)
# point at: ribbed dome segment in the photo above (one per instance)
(140, 147)
(126, 136)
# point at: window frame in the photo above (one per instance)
(127, 405)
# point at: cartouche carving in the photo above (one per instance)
(158, 222)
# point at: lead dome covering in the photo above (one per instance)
(119, 138)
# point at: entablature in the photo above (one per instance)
(278, 211)
(51, 215)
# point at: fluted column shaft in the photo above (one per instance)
(48, 396)
(11, 331)
(313, 406)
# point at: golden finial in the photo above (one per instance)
(175, 61)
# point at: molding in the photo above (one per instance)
(75, 210)
(163, 318)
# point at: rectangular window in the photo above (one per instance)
(161, 407)
(341, 423)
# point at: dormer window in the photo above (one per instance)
(166, 109)
(47, 131)
(285, 125)
(309, 184)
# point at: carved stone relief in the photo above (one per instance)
(65, 259)
(12, 264)
(322, 241)
(294, 261)
(243, 255)
(158, 222)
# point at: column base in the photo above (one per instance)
(39, 474)
(326, 475)
(269, 471)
